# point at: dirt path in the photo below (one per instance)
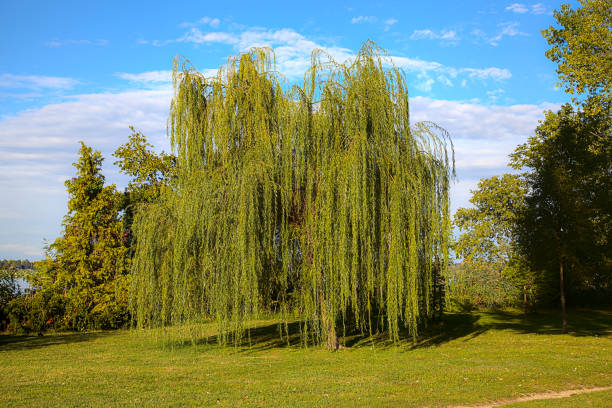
(534, 397)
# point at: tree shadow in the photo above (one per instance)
(580, 323)
(28, 342)
(258, 338)
(467, 326)
(452, 326)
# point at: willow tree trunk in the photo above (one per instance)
(562, 285)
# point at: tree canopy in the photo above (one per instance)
(567, 216)
(492, 268)
(490, 225)
(322, 201)
(581, 45)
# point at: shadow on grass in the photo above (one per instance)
(26, 342)
(452, 326)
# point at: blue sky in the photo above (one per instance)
(73, 71)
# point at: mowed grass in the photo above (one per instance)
(465, 359)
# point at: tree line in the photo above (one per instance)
(545, 232)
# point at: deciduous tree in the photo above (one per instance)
(581, 45)
(568, 218)
(488, 239)
(323, 199)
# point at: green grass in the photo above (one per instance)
(468, 358)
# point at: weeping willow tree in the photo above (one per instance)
(322, 200)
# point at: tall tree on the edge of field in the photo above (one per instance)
(567, 223)
(150, 174)
(568, 206)
(87, 264)
(582, 47)
(489, 231)
(323, 199)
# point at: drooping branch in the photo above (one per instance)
(322, 199)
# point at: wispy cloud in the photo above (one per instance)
(386, 24)
(149, 77)
(204, 21)
(196, 36)
(293, 55)
(445, 36)
(59, 43)
(506, 29)
(390, 22)
(521, 8)
(36, 82)
(429, 72)
(364, 19)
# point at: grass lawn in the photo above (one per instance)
(467, 359)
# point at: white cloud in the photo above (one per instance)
(520, 8)
(59, 43)
(38, 147)
(293, 55)
(36, 82)
(197, 37)
(506, 29)
(363, 19)
(213, 22)
(538, 8)
(483, 136)
(100, 119)
(495, 95)
(155, 77)
(426, 71)
(427, 34)
(517, 8)
(495, 73)
(389, 22)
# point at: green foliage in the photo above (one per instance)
(150, 173)
(492, 268)
(480, 287)
(87, 265)
(489, 225)
(582, 46)
(321, 199)
(8, 291)
(15, 264)
(12, 271)
(568, 209)
(36, 312)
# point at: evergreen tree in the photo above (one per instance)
(87, 265)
